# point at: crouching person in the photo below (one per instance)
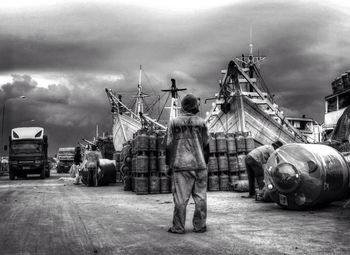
(187, 142)
(255, 162)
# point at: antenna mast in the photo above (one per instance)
(174, 107)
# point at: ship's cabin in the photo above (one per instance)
(335, 106)
(308, 127)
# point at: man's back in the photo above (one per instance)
(187, 137)
(262, 153)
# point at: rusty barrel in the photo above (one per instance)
(141, 163)
(233, 178)
(141, 184)
(222, 162)
(212, 143)
(154, 183)
(242, 167)
(152, 139)
(233, 163)
(240, 142)
(221, 145)
(224, 182)
(231, 144)
(142, 140)
(164, 183)
(213, 182)
(153, 161)
(249, 142)
(161, 161)
(212, 164)
(161, 142)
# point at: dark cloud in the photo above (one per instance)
(306, 45)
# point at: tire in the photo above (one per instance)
(11, 175)
(42, 173)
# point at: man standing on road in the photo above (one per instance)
(187, 142)
(255, 161)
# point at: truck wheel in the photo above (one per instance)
(11, 175)
(42, 173)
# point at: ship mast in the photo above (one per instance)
(140, 95)
(174, 106)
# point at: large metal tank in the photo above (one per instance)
(301, 176)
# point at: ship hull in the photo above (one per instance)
(245, 116)
(124, 127)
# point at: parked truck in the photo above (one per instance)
(28, 152)
(65, 159)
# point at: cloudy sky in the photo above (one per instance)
(62, 54)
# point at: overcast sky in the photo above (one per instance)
(62, 54)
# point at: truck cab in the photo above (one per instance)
(28, 152)
(65, 159)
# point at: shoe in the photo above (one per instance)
(202, 230)
(171, 230)
(76, 183)
(250, 196)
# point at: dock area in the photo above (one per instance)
(53, 216)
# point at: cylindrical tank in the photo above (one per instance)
(152, 162)
(161, 143)
(141, 164)
(141, 184)
(152, 138)
(221, 145)
(213, 183)
(154, 184)
(224, 182)
(231, 144)
(241, 162)
(212, 164)
(232, 163)
(249, 142)
(240, 143)
(233, 178)
(164, 183)
(142, 141)
(161, 161)
(300, 176)
(222, 162)
(212, 143)
(243, 176)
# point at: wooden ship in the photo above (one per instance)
(244, 105)
(126, 122)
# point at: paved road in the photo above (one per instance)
(53, 216)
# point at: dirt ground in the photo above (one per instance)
(53, 216)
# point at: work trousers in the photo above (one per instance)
(255, 170)
(187, 183)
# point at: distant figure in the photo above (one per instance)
(187, 140)
(75, 168)
(91, 165)
(255, 162)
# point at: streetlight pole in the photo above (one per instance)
(3, 121)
